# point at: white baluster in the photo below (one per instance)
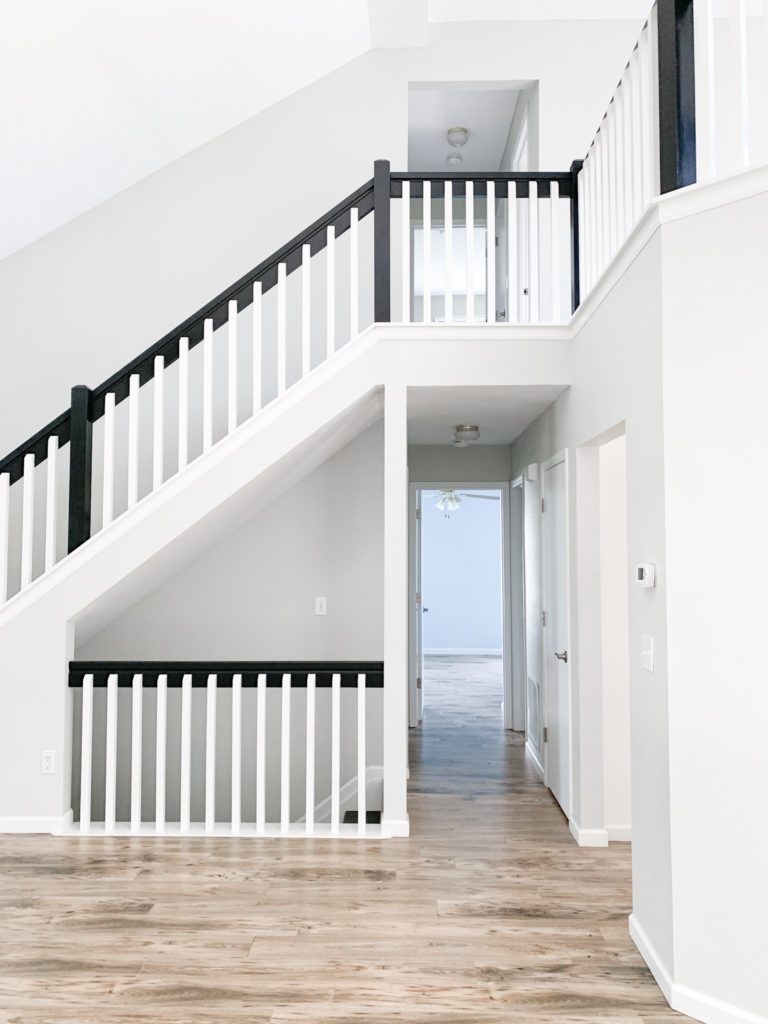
(237, 736)
(637, 136)
(426, 262)
(5, 527)
(27, 520)
(582, 185)
(158, 415)
(261, 752)
(626, 157)
(406, 251)
(257, 353)
(470, 233)
(593, 218)
(354, 259)
(490, 245)
(533, 252)
(361, 756)
(737, 26)
(207, 384)
(136, 737)
(183, 403)
(110, 774)
(306, 296)
(647, 107)
(133, 440)
(554, 226)
(86, 754)
(513, 272)
(50, 502)
(448, 215)
(210, 755)
(285, 756)
(108, 462)
(706, 117)
(309, 815)
(185, 797)
(610, 122)
(602, 198)
(160, 743)
(282, 356)
(232, 366)
(335, 750)
(330, 291)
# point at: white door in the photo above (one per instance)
(555, 634)
(416, 691)
(533, 640)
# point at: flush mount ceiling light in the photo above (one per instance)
(465, 434)
(457, 137)
(454, 159)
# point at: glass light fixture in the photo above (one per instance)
(454, 159)
(457, 137)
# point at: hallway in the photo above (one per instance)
(488, 913)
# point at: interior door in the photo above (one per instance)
(533, 639)
(416, 691)
(555, 634)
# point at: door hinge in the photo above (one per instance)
(543, 505)
(418, 513)
(543, 618)
(546, 734)
(418, 682)
(418, 599)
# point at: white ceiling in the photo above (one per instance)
(486, 112)
(536, 10)
(501, 413)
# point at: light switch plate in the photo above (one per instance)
(646, 652)
(321, 606)
(48, 762)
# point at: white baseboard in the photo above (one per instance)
(619, 833)
(28, 823)
(536, 762)
(395, 829)
(682, 998)
(469, 651)
(588, 836)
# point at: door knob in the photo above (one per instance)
(425, 609)
(562, 655)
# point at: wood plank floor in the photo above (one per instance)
(488, 913)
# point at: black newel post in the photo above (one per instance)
(677, 95)
(381, 242)
(80, 468)
(575, 258)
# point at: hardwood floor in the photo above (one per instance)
(488, 913)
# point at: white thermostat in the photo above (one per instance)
(645, 574)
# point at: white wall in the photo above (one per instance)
(252, 596)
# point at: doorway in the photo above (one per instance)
(460, 622)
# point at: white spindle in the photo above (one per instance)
(110, 774)
(257, 353)
(637, 136)
(490, 245)
(737, 24)
(210, 754)
(50, 502)
(330, 291)
(306, 296)
(335, 750)
(237, 735)
(647, 107)
(448, 215)
(136, 737)
(261, 751)
(160, 743)
(361, 756)
(183, 402)
(354, 259)
(470, 233)
(282, 356)
(554, 209)
(625, 181)
(533, 252)
(426, 261)
(27, 520)
(706, 119)
(108, 462)
(158, 432)
(602, 198)
(594, 218)
(613, 198)
(309, 815)
(513, 315)
(232, 366)
(207, 384)
(133, 440)
(86, 754)
(5, 524)
(285, 756)
(185, 798)
(406, 251)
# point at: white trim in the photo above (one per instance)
(653, 960)
(588, 836)
(440, 651)
(391, 829)
(619, 833)
(536, 762)
(55, 825)
(223, 829)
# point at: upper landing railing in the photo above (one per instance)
(502, 247)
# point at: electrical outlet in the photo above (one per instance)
(321, 606)
(48, 762)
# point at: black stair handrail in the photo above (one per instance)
(249, 671)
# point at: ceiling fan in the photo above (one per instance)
(450, 500)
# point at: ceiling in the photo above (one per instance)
(536, 10)
(502, 413)
(486, 112)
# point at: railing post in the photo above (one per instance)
(575, 257)
(381, 242)
(677, 95)
(79, 468)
